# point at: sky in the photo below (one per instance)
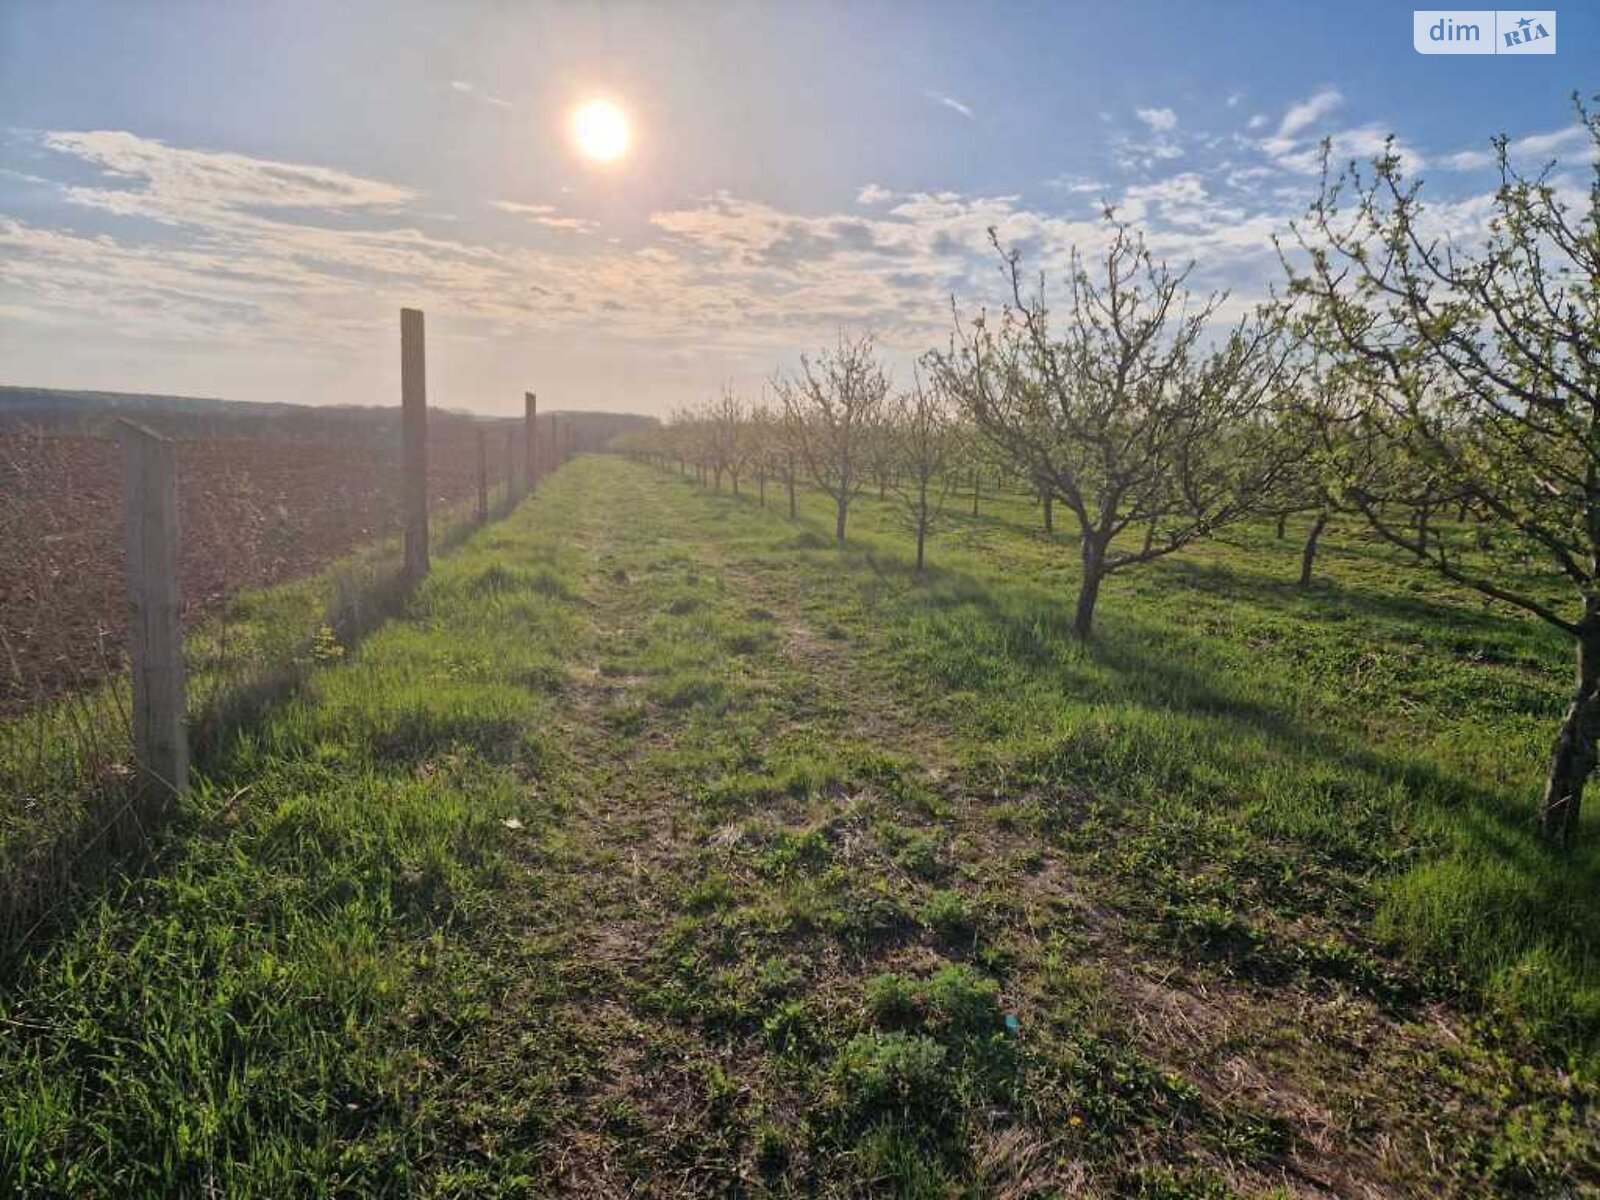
(234, 199)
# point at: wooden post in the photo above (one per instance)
(155, 604)
(530, 421)
(483, 477)
(511, 468)
(414, 442)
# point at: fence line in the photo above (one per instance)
(189, 687)
(151, 537)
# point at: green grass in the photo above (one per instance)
(659, 846)
(79, 818)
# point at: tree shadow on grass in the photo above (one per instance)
(1502, 896)
(1330, 601)
(1505, 895)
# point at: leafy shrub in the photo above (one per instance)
(894, 1002)
(950, 914)
(920, 857)
(965, 1002)
(790, 1029)
(882, 1074)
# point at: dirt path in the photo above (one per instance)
(650, 1120)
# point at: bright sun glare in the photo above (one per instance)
(600, 129)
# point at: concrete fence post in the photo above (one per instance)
(530, 422)
(414, 442)
(155, 609)
(511, 468)
(483, 477)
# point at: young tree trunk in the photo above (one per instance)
(1049, 511)
(883, 487)
(842, 510)
(1282, 517)
(1308, 557)
(1424, 518)
(734, 475)
(1149, 537)
(922, 520)
(974, 493)
(1572, 760)
(761, 487)
(789, 479)
(1089, 589)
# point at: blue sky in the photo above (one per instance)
(234, 198)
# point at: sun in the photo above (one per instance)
(600, 130)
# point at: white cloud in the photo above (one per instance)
(1234, 99)
(177, 179)
(466, 88)
(1555, 144)
(277, 254)
(545, 215)
(1077, 185)
(1466, 160)
(1570, 144)
(1359, 144)
(1162, 120)
(953, 104)
(1309, 111)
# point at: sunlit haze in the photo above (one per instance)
(600, 130)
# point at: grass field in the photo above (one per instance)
(662, 849)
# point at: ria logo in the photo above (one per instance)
(1483, 31)
(1527, 32)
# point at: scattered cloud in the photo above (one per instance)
(148, 178)
(280, 253)
(1234, 99)
(466, 88)
(1162, 120)
(545, 215)
(1078, 185)
(1466, 160)
(1563, 143)
(1570, 144)
(953, 104)
(1309, 111)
